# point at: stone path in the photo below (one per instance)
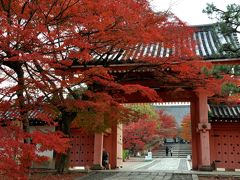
(158, 169)
(158, 164)
(167, 164)
(139, 169)
(135, 176)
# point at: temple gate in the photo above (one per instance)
(213, 143)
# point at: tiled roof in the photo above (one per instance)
(207, 43)
(33, 116)
(224, 113)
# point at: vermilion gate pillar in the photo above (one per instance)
(200, 133)
(98, 149)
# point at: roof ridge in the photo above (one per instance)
(203, 25)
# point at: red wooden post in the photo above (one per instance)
(195, 135)
(203, 129)
(113, 145)
(119, 145)
(98, 149)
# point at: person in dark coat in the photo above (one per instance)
(171, 151)
(105, 159)
(167, 149)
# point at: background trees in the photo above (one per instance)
(140, 135)
(168, 125)
(186, 128)
(141, 132)
(148, 130)
(228, 22)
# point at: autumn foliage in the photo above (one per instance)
(186, 128)
(39, 42)
(148, 131)
(168, 125)
(140, 135)
(17, 156)
(46, 49)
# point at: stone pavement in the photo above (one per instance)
(135, 176)
(158, 169)
(157, 164)
(139, 169)
(159, 175)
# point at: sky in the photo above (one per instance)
(190, 11)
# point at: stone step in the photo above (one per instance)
(174, 155)
(169, 156)
(174, 152)
(179, 151)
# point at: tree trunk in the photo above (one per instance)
(62, 162)
(17, 67)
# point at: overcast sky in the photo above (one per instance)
(190, 11)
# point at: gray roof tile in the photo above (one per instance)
(33, 116)
(224, 113)
(207, 40)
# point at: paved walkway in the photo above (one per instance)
(138, 168)
(135, 176)
(158, 164)
(158, 169)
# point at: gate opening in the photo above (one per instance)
(164, 142)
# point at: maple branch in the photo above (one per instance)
(72, 93)
(4, 95)
(8, 73)
(43, 73)
(3, 5)
(51, 7)
(30, 74)
(30, 18)
(61, 12)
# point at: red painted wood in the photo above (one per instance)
(82, 150)
(195, 135)
(226, 140)
(110, 144)
(98, 149)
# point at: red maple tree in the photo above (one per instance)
(168, 125)
(186, 128)
(148, 131)
(140, 135)
(40, 41)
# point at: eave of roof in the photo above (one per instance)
(224, 113)
(226, 61)
(208, 42)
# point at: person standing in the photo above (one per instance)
(171, 151)
(105, 159)
(167, 149)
